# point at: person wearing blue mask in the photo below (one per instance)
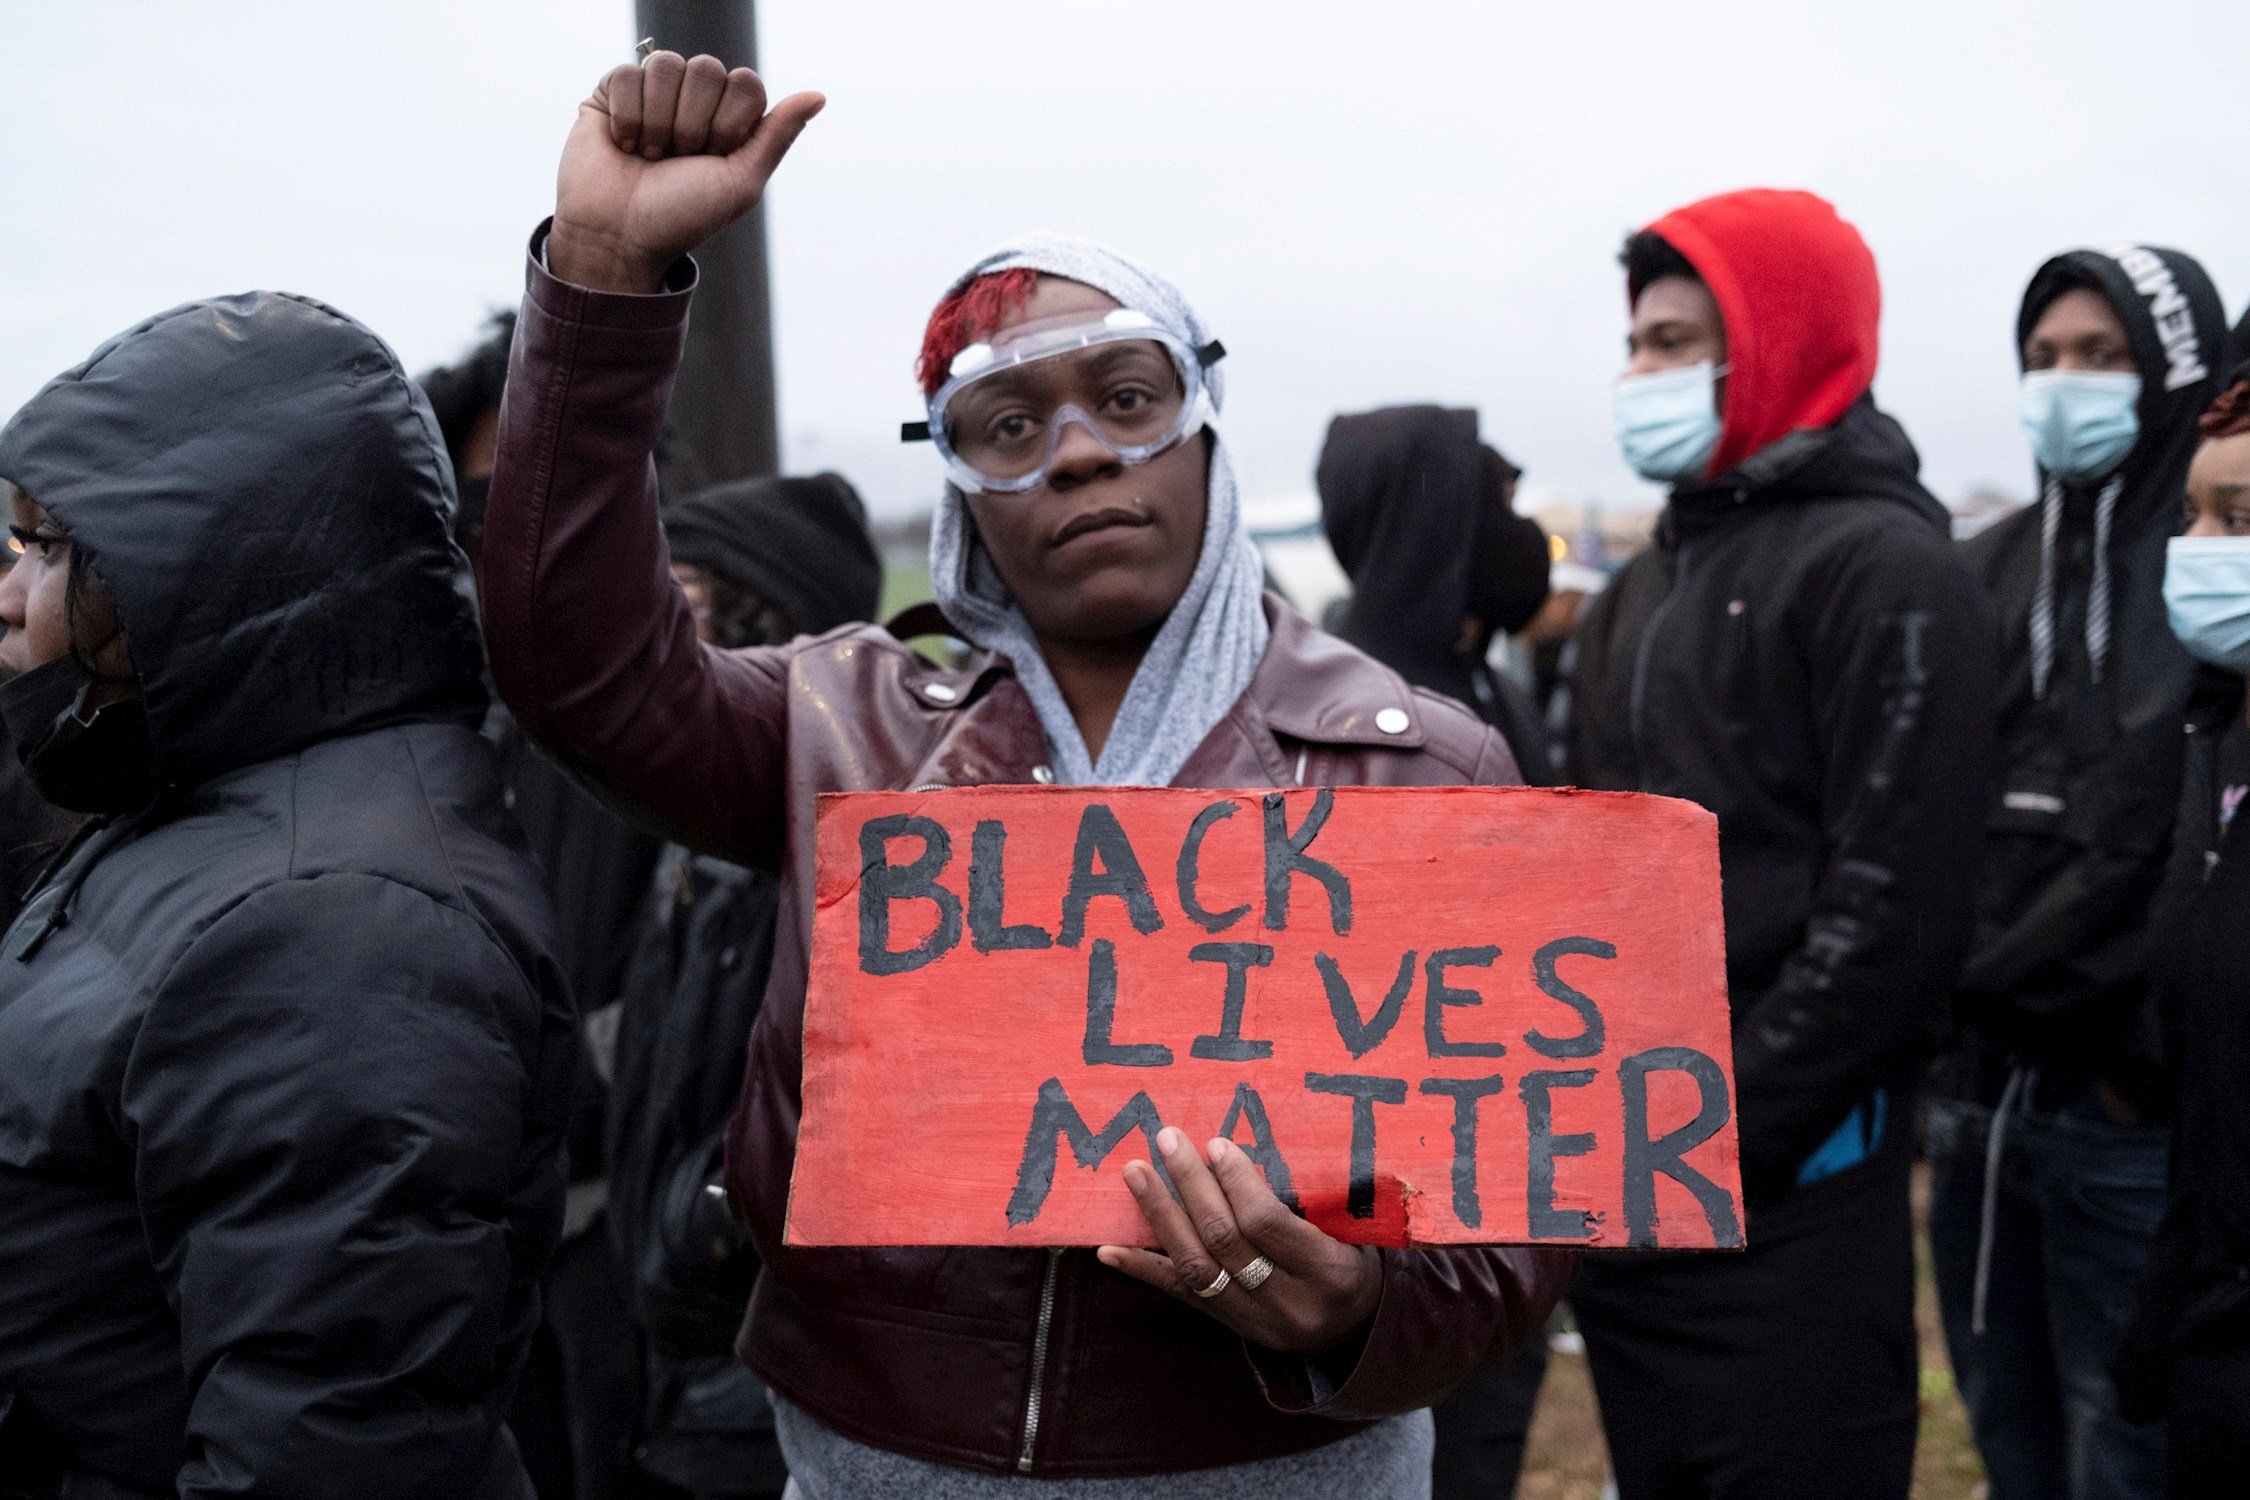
(2047, 1130)
(1801, 653)
(2187, 1353)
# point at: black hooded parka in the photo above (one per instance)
(2090, 767)
(283, 1055)
(1412, 505)
(1800, 654)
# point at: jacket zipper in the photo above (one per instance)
(1039, 1360)
(1641, 660)
(2202, 777)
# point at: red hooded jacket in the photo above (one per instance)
(1797, 288)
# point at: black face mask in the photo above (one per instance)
(99, 762)
(1507, 568)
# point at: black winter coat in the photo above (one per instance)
(692, 992)
(283, 1056)
(1801, 654)
(2090, 772)
(1411, 504)
(31, 831)
(2195, 1294)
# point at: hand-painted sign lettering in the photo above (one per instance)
(1432, 1016)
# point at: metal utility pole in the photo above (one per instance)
(723, 423)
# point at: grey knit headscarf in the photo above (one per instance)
(1207, 648)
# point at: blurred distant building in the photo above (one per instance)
(1979, 509)
(1600, 534)
(1288, 534)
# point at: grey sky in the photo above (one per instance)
(1370, 203)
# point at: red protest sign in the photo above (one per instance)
(1432, 1015)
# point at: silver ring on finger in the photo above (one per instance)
(1254, 1275)
(1218, 1286)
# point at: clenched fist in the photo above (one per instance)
(665, 154)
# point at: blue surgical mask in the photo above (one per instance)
(1668, 422)
(2207, 594)
(2082, 422)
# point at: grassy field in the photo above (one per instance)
(906, 580)
(1567, 1460)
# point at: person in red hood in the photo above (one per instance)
(1801, 653)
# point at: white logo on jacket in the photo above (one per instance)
(2175, 320)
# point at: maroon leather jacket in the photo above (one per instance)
(1009, 1360)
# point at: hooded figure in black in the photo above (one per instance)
(284, 1043)
(2091, 709)
(762, 561)
(1417, 511)
(2056, 1080)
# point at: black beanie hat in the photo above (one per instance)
(800, 545)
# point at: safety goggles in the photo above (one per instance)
(999, 418)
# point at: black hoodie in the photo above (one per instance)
(283, 1056)
(800, 545)
(1800, 654)
(1411, 502)
(2090, 770)
(2193, 1305)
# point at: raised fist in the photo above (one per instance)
(665, 154)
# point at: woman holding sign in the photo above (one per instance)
(1092, 548)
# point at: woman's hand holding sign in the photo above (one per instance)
(1319, 1292)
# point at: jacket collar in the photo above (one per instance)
(1313, 687)
(1864, 454)
(1309, 685)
